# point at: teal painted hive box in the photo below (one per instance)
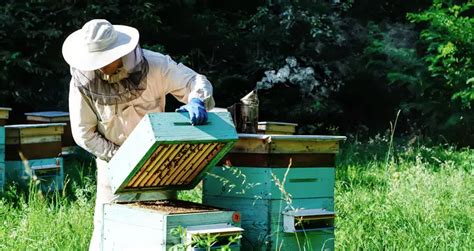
(155, 225)
(47, 174)
(165, 152)
(33, 153)
(4, 115)
(283, 185)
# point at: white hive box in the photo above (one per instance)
(166, 152)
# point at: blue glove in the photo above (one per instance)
(197, 111)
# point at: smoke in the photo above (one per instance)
(294, 75)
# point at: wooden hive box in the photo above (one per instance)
(33, 153)
(268, 127)
(274, 180)
(149, 225)
(165, 151)
(33, 141)
(4, 115)
(54, 117)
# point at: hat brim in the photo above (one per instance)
(77, 55)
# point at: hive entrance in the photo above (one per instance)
(174, 165)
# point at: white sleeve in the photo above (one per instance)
(84, 126)
(185, 84)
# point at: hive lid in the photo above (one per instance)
(48, 116)
(165, 151)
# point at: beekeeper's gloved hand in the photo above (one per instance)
(197, 111)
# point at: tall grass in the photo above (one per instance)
(419, 198)
(57, 221)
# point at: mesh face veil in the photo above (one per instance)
(127, 84)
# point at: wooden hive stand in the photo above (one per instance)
(283, 185)
(4, 114)
(165, 152)
(33, 152)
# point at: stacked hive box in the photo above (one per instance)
(4, 113)
(283, 185)
(67, 140)
(33, 153)
(166, 152)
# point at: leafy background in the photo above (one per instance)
(338, 67)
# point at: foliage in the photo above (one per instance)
(449, 36)
(448, 93)
(305, 43)
(431, 77)
(33, 72)
(365, 58)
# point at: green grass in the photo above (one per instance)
(416, 197)
(59, 221)
(420, 198)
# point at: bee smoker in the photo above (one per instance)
(245, 113)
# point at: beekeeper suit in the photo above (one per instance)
(114, 84)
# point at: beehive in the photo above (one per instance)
(165, 151)
(33, 153)
(283, 185)
(67, 140)
(4, 114)
(149, 225)
(268, 127)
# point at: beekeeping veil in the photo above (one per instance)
(98, 44)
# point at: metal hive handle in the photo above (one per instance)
(189, 123)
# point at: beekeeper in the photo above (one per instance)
(114, 84)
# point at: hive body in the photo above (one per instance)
(132, 227)
(33, 153)
(67, 140)
(273, 178)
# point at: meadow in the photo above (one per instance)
(400, 195)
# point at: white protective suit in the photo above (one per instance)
(101, 129)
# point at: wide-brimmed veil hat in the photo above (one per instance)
(98, 44)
